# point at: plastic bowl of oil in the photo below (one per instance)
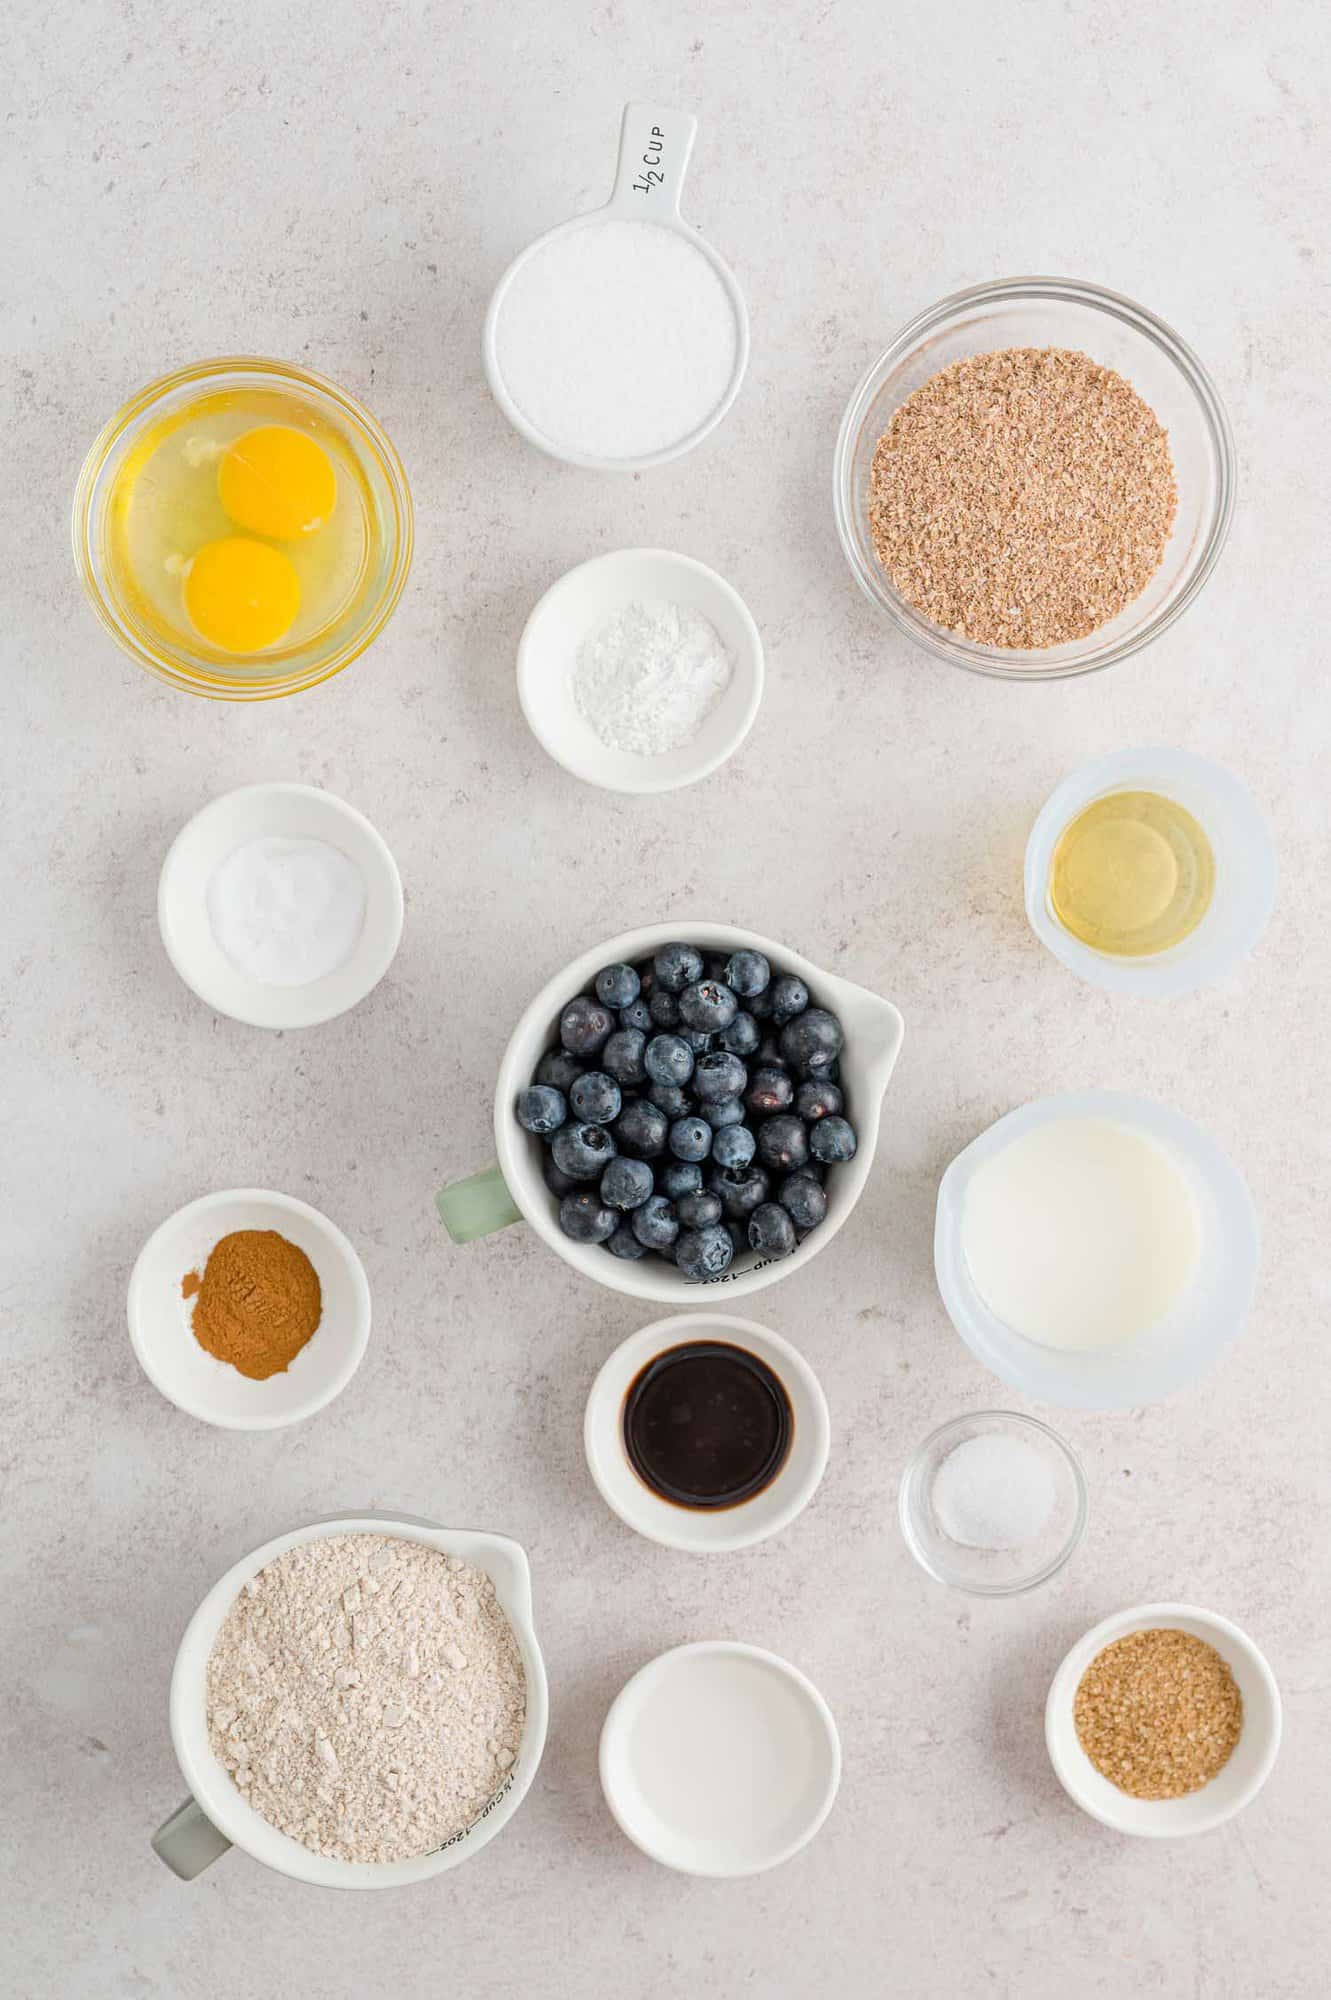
(1207, 883)
(148, 503)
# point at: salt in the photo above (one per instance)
(647, 679)
(993, 1492)
(616, 339)
(286, 912)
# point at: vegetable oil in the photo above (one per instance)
(1132, 874)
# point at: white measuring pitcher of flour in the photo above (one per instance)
(654, 149)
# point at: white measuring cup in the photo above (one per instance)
(654, 149)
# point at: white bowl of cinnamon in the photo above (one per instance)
(249, 1310)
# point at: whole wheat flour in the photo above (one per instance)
(367, 1695)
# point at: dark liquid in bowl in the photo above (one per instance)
(707, 1425)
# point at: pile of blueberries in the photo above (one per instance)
(693, 1104)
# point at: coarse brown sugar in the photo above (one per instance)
(1158, 1713)
(1022, 498)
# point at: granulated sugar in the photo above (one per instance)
(1022, 498)
(616, 339)
(649, 677)
(367, 1695)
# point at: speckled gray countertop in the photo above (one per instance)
(342, 185)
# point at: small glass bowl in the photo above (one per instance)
(1050, 312)
(202, 669)
(993, 1572)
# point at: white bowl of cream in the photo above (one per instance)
(280, 905)
(1095, 1250)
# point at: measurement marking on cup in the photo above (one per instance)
(650, 174)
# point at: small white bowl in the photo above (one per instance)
(1183, 1345)
(1245, 871)
(212, 1390)
(706, 1531)
(290, 812)
(1230, 1790)
(692, 1716)
(585, 599)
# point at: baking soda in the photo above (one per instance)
(287, 912)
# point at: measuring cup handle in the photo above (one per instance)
(477, 1206)
(188, 1842)
(654, 149)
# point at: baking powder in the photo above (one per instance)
(648, 679)
(287, 912)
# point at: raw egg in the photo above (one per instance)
(241, 595)
(277, 481)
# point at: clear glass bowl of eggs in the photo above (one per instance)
(243, 528)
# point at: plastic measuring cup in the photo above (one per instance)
(654, 149)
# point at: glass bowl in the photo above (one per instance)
(993, 1572)
(286, 394)
(1050, 312)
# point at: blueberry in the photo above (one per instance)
(698, 1039)
(698, 1210)
(783, 1143)
(769, 1053)
(816, 1099)
(677, 966)
(623, 1243)
(770, 1091)
(680, 1179)
(705, 1253)
(668, 1097)
(771, 1231)
(790, 996)
(664, 1009)
(584, 1025)
(621, 1057)
(596, 1098)
(718, 1075)
(640, 1130)
(742, 1036)
(617, 986)
(559, 1069)
(833, 1140)
(585, 1217)
(812, 1041)
(583, 1152)
(733, 1146)
(636, 1015)
(727, 1111)
(803, 1200)
(655, 1224)
(541, 1108)
(690, 1139)
(556, 1180)
(668, 1059)
(626, 1183)
(708, 1005)
(747, 973)
(740, 1188)
(760, 1004)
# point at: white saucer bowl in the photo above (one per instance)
(290, 812)
(195, 1381)
(706, 1531)
(1230, 1790)
(587, 598)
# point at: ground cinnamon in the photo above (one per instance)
(257, 1302)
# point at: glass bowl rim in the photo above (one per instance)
(993, 661)
(162, 660)
(1017, 1586)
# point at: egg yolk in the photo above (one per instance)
(241, 595)
(277, 481)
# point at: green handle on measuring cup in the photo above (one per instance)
(477, 1206)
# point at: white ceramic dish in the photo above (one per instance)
(1181, 1346)
(217, 1816)
(294, 812)
(1245, 878)
(993, 1572)
(654, 149)
(706, 1531)
(515, 1191)
(212, 1390)
(1230, 1790)
(769, 1799)
(587, 598)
